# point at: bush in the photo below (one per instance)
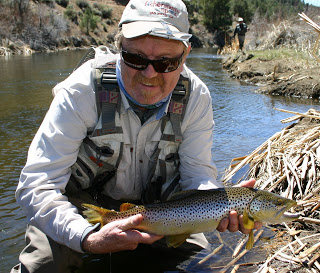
(97, 12)
(82, 4)
(109, 22)
(106, 13)
(88, 21)
(105, 29)
(71, 14)
(47, 2)
(63, 3)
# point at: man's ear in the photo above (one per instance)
(187, 53)
(189, 48)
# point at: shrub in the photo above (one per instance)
(71, 14)
(106, 13)
(88, 21)
(82, 4)
(63, 3)
(47, 2)
(97, 12)
(105, 29)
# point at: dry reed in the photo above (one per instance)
(288, 163)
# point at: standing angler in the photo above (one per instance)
(241, 29)
(128, 127)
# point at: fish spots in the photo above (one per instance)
(201, 211)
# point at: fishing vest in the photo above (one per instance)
(101, 151)
(241, 29)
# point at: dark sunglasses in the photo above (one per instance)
(162, 65)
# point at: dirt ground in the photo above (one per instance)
(285, 76)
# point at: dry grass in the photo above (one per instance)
(292, 35)
(317, 29)
(288, 163)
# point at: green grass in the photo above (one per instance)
(283, 53)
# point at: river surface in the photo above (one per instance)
(244, 120)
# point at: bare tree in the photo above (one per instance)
(21, 9)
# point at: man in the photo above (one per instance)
(109, 146)
(241, 30)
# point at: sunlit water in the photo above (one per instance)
(244, 119)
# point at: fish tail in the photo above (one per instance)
(96, 214)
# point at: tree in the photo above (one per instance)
(217, 15)
(21, 8)
(242, 9)
(88, 21)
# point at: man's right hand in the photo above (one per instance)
(118, 236)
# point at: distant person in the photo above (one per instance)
(241, 30)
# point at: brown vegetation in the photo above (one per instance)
(27, 26)
(286, 62)
(288, 163)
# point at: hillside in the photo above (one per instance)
(50, 26)
(28, 26)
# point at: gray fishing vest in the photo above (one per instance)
(100, 152)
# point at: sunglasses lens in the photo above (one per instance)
(134, 60)
(166, 65)
(137, 62)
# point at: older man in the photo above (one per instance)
(134, 126)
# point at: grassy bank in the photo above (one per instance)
(280, 54)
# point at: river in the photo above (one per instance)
(244, 119)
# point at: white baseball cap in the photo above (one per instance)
(162, 18)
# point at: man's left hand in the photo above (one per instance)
(234, 222)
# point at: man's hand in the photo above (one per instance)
(234, 223)
(117, 236)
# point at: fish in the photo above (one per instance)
(198, 211)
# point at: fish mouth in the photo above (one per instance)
(285, 216)
(290, 215)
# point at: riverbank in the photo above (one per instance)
(288, 164)
(277, 72)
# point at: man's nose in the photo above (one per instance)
(149, 72)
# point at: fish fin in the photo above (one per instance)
(127, 206)
(96, 214)
(248, 221)
(250, 241)
(176, 240)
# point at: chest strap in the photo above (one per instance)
(108, 99)
(177, 106)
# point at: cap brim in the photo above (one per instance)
(139, 28)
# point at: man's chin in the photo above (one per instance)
(148, 99)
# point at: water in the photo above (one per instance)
(243, 119)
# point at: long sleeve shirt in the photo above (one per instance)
(55, 147)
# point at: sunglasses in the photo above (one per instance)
(163, 65)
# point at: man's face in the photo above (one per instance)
(148, 86)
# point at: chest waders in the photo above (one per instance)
(97, 164)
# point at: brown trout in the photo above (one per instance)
(197, 211)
